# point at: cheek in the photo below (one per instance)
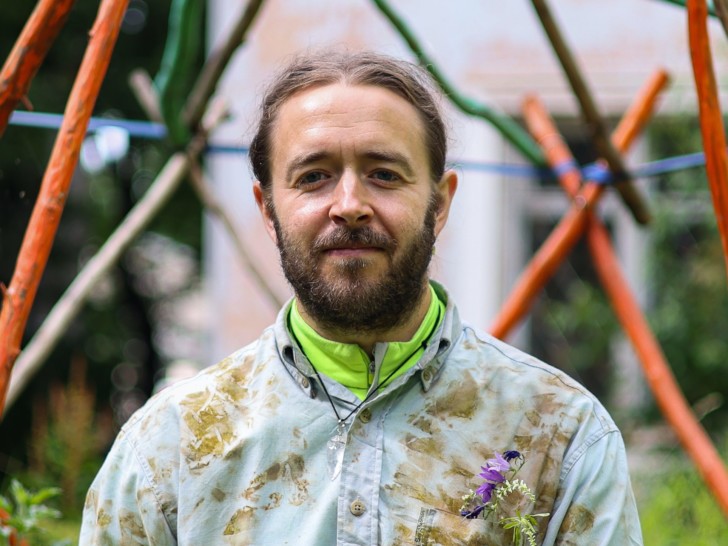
(302, 222)
(403, 219)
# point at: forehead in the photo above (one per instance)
(347, 117)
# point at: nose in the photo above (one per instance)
(351, 204)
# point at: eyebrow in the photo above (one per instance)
(389, 156)
(303, 160)
(386, 156)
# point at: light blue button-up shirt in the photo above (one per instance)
(238, 454)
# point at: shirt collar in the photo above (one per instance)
(349, 364)
(429, 365)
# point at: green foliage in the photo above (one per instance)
(26, 513)
(678, 509)
(63, 531)
(67, 439)
(581, 330)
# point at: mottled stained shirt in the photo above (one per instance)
(238, 454)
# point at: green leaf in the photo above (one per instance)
(19, 493)
(43, 512)
(44, 494)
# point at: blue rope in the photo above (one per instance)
(596, 172)
(140, 129)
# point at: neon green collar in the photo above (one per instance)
(349, 365)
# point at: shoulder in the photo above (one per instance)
(225, 381)
(524, 385)
(532, 406)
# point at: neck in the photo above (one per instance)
(367, 339)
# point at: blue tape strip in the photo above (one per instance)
(594, 171)
(566, 167)
(597, 172)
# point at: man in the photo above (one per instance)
(368, 411)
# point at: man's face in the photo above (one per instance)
(352, 206)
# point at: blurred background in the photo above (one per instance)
(181, 298)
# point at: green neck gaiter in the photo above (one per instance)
(349, 365)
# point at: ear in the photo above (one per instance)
(265, 213)
(445, 190)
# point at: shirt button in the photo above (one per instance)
(357, 508)
(427, 374)
(304, 382)
(366, 415)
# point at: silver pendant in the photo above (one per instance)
(335, 450)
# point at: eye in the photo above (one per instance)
(385, 176)
(311, 179)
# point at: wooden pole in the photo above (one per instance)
(36, 246)
(216, 63)
(27, 55)
(507, 126)
(591, 115)
(711, 119)
(560, 242)
(662, 382)
(545, 262)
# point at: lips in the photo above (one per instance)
(352, 252)
(353, 246)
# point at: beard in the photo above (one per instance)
(346, 301)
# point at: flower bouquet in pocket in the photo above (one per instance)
(504, 496)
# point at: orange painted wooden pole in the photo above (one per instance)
(711, 119)
(548, 137)
(30, 49)
(662, 382)
(33, 256)
(668, 395)
(545, 262)
(560, 242)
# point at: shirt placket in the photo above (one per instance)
(358, 504)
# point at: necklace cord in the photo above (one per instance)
(422, 346)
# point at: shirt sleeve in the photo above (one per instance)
(122, 506)
(596, 504)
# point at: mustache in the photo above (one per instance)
(342, 237)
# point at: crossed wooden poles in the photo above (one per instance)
(14, 82)
(580, 220)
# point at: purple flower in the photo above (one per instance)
(511, 454)
(485, 491)
(472, 514)
(486, 499)
(498, 463)
(492, 475)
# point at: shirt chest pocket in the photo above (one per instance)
(441, 528)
